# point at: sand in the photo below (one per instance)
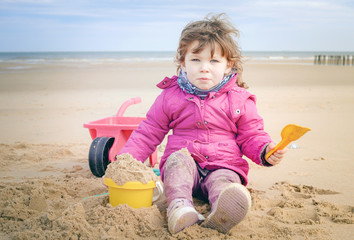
(128, 169)
(48, 192)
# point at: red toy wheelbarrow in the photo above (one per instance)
(109, 136)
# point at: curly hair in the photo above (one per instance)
(214, 29)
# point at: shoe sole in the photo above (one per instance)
(184, 218)
(232, 206)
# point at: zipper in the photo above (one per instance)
(202, 108)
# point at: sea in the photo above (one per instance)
(26, 60)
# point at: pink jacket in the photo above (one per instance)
(217, 131)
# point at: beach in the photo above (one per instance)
(48, 192)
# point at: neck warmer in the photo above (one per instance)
(188, 87)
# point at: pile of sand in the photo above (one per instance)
(127, 169)
(55, 209)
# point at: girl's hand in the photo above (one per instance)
(277, 156)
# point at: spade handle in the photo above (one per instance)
(283, 143)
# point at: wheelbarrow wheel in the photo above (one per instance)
(98, 155)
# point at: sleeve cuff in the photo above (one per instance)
(262, 156)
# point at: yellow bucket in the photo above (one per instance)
(135, 194)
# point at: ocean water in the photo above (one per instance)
(26, 60)
(84, 57)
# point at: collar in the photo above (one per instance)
(188, 87)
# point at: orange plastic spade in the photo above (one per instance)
(289, 133)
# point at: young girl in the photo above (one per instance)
(214, 122)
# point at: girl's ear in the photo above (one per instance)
(228, 67)
(183, 66)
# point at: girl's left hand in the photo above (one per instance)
(277, 156)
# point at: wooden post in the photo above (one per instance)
(344, 60)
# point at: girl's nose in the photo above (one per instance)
(204, 67)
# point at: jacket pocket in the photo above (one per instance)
(228, 151)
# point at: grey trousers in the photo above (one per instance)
(183, 180)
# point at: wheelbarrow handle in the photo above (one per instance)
(126, 104)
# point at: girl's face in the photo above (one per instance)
(203, 70)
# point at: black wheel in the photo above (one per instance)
(98, 155)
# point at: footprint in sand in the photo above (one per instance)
(298, 205)
(315, 159)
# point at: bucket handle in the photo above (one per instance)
(126, 104)
(160, 191)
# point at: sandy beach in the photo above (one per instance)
(48, 192)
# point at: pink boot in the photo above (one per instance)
(181, 214)
(180, 179)
(230, 208)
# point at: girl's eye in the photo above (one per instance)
(195, 60)
(214, 61)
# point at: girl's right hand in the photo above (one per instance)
(277, 156)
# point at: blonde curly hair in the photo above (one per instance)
(214, 29)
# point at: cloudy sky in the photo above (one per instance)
(143, 25)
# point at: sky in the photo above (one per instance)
(143, 25)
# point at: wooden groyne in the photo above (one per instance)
(345, 60)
